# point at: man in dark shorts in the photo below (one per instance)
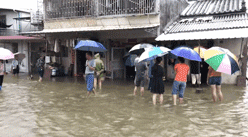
(139, 81)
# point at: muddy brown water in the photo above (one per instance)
(58, 107)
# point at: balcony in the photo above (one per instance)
(56, 9)
(8, 32)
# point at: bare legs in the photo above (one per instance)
(154, 98)
(99, 83)
(174, 98)
(217, 88)
(40, 80)
(142, 89)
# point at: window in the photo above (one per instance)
(15, 47)
(3, 19)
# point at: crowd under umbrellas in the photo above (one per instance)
(220, 60)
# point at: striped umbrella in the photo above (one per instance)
(221, 60)
(152, 53)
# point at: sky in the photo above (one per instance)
(23, 4)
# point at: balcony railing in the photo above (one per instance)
(8, 32)
(94, 8)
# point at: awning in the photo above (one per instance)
(87, 29)
(202, 35)
(2, 38)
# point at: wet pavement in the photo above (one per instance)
(58, 107)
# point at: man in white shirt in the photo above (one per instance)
(89, 72)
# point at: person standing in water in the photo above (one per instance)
(150, 74)
(1, 73)
(179, 84)
(99, 71)
(89, 72)
(15, 66)
(214, 80)
(40, 65)
(139, 80)
(157, 86)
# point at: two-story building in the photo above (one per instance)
(117, 24)
(12, 23)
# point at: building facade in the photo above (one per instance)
(117, 24)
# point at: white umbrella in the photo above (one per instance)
(140, 48)
(6, 54)
(154, 52)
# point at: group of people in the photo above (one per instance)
(156, 75)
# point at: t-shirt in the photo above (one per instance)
(91, 64)
(181, 72)
(141, 68)
(213, 73)
(195, 67)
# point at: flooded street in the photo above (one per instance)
(59, 108)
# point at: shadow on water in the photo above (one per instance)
(58, 107)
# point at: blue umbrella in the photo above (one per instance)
(187, 53)
(90, 45)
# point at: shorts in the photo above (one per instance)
(214, 81)
(139, 81)
(196, 78)
(178, 86)
(41, 72)
(90, 82)
(16, 71)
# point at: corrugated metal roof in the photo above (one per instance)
(87, 29)
(210, 7)
(204, 35)
(209, 23)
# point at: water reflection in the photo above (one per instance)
(59, 108)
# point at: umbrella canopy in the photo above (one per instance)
(90, 45)
(200, 50)
(140, 48)
(6, 54)
(221, 60)
(152, 53)
(187, 53)
(129, 59)
(20, 56)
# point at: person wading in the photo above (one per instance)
(179, 84)
(89, 72)
(15, 66)
(40, 65)
(99, 71)
(157, 86)
(214, 80)
(1, 73)
(139, 81)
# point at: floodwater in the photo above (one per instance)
(58, 107)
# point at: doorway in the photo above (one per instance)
(81, 59)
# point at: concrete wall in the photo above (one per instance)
(17, 25)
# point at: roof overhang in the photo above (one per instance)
(204, 35)
(16, 38)
(89, 29)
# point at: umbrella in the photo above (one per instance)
(129, 59)
(187, 53)
(221, 60)
(20, 56)
(140, 48)
(90, 45)
(200, 50)
(6, 54)
(152, 53)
